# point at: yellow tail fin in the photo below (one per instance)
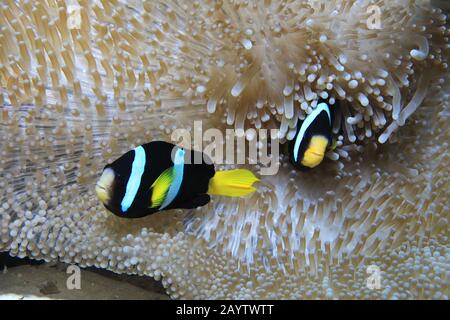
(232, 183)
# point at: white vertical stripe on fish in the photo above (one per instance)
(134, 180)
(178, 172)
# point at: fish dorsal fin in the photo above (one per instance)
(161, 187)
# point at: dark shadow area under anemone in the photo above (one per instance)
(9, 263)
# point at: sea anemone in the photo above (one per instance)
(83, 83)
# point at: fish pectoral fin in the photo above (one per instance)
(160, 187)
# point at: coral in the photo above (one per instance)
(75, 94)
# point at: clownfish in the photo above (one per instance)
(157, 176)
(307, 149)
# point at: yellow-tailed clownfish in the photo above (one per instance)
(307, 149)
(157, 176)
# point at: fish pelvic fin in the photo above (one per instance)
(333, 144)
(232, 183)
(161, 187)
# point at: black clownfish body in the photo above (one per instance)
(307, 149)
(160, 176)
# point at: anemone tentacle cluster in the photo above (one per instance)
(84, 81)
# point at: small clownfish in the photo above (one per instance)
(307, 149)
(157, 176)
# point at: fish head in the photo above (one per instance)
(112, 184)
